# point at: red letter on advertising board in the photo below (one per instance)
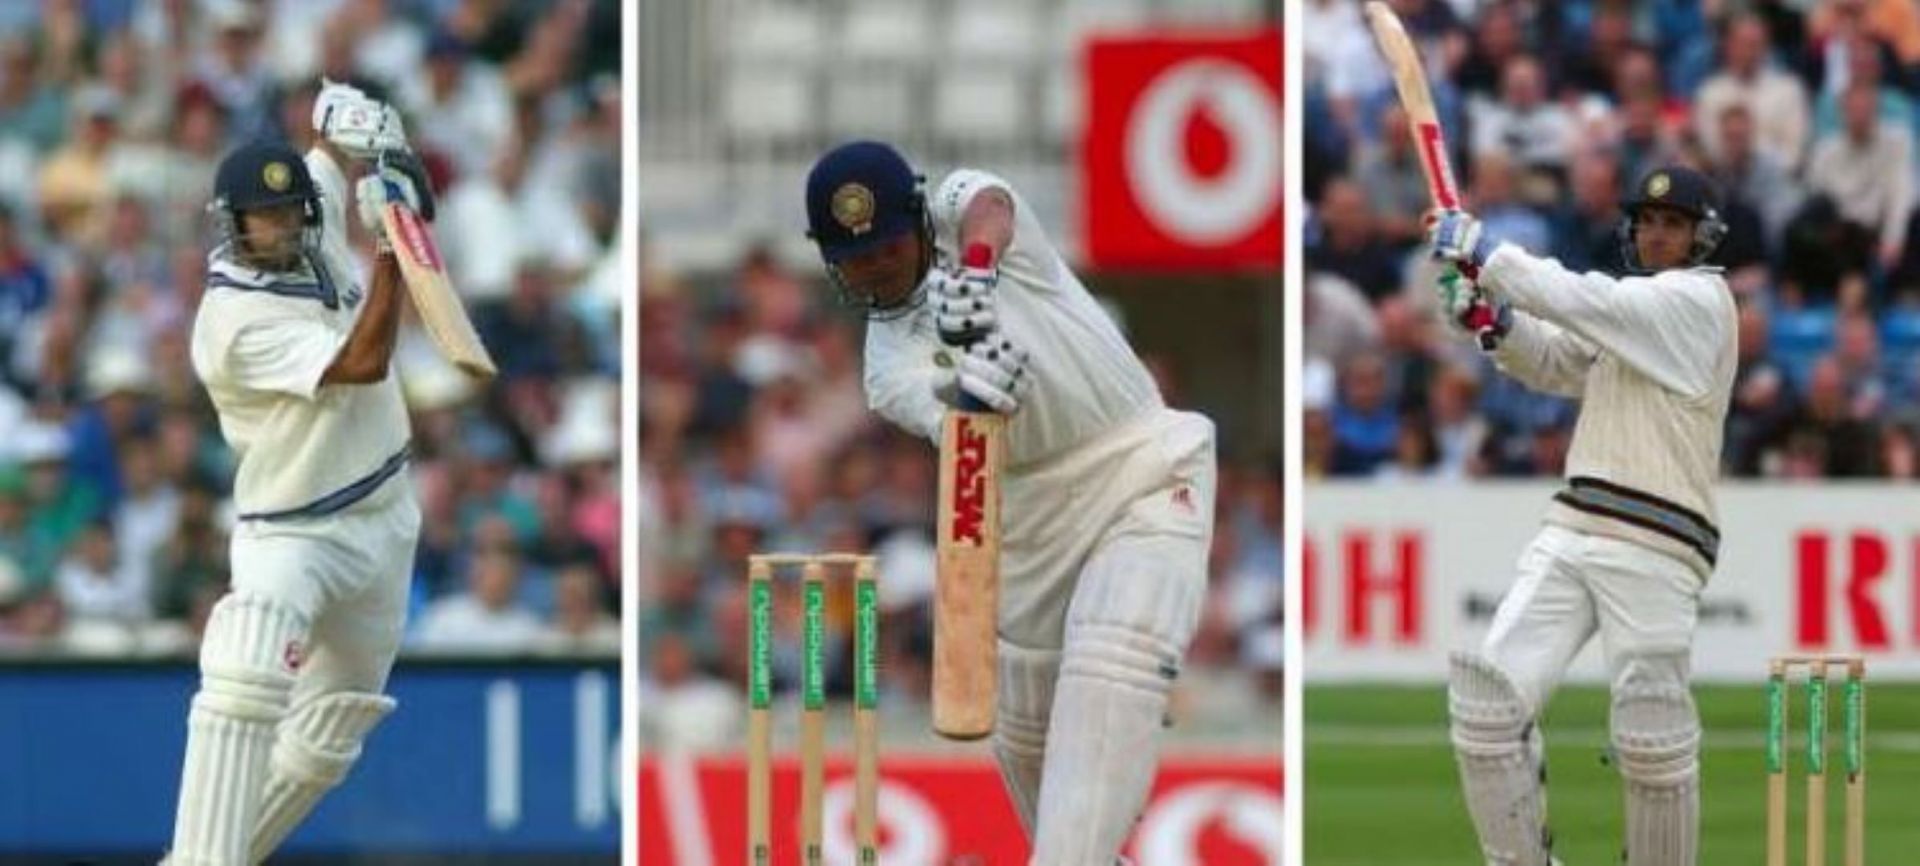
(1866, 565)
(1401, 584)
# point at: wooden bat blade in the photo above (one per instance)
(1410, 82)
(441, 312)
(966, 608)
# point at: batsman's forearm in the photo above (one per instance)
(364, 357)
(988, 221)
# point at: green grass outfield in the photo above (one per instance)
(1381, 789)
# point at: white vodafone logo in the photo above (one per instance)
(1197, 209)
(1170, 831)
(912, 826)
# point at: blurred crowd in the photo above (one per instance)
(755, 437)
(114, 479)
(1803, 111)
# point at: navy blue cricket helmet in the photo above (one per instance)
(265, 174)
(1681, 189)
(861, 195)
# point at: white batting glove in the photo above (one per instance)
(356, 123)
(1457, 237)
(964, 304)
(375, 189)
(992, 371)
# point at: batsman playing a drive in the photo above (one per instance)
(1630, 541)
(1107, 498)
(295, 356)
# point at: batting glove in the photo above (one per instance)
(361, 126)
(992, 371)
(1457, 237)
(420, 191)
(963, 304)
(376, 189)
(1469, 309)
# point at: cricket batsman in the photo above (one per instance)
(1107, 496)
(1628, 544)
(294, 353)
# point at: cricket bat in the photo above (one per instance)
(966, 606)
(425, 274)
(1429, 140)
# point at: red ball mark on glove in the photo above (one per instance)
(1206, 142)
(977, 256)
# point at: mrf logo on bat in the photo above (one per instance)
(969, 482)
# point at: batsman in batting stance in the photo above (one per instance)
(294, 352)
(1628, 544)
(1107, 498)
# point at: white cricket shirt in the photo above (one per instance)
(1652, 360)
(1086, 379)
(261, 342)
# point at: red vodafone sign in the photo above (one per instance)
(952, 810)
(1181, 164)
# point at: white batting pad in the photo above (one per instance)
(318, 743)
(252, 648)
(1020, 726)
(1109, 707)
(1502, 770)
(1656, 737)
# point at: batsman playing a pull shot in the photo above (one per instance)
(1107, 497)
(1630, 541)
(295, 356)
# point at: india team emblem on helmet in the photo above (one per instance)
(277, 176)
(1658, 185)
(853, 207)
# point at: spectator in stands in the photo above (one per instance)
(581, 621)
(1597, 59)
(1460, 434)
(1866, 171)
(1893, 26)
(1365, 422)
(59, 506)
(1826, 437)
(1523, 125)
(1412, 350)
(1854, 59)
(1414, 451)
(233, 66)
(1763, 398)
(1497, 41)
(1645, 139)
(75, 185)
(1339, 321)
(1349, 245)
(1750, 176)
(96, 582)
(1390, 171)
(1496, 200)
(32, 110)
(487, 618)
(1856, 350)
(682, 708)
(1586, 230)
(1773, 99)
